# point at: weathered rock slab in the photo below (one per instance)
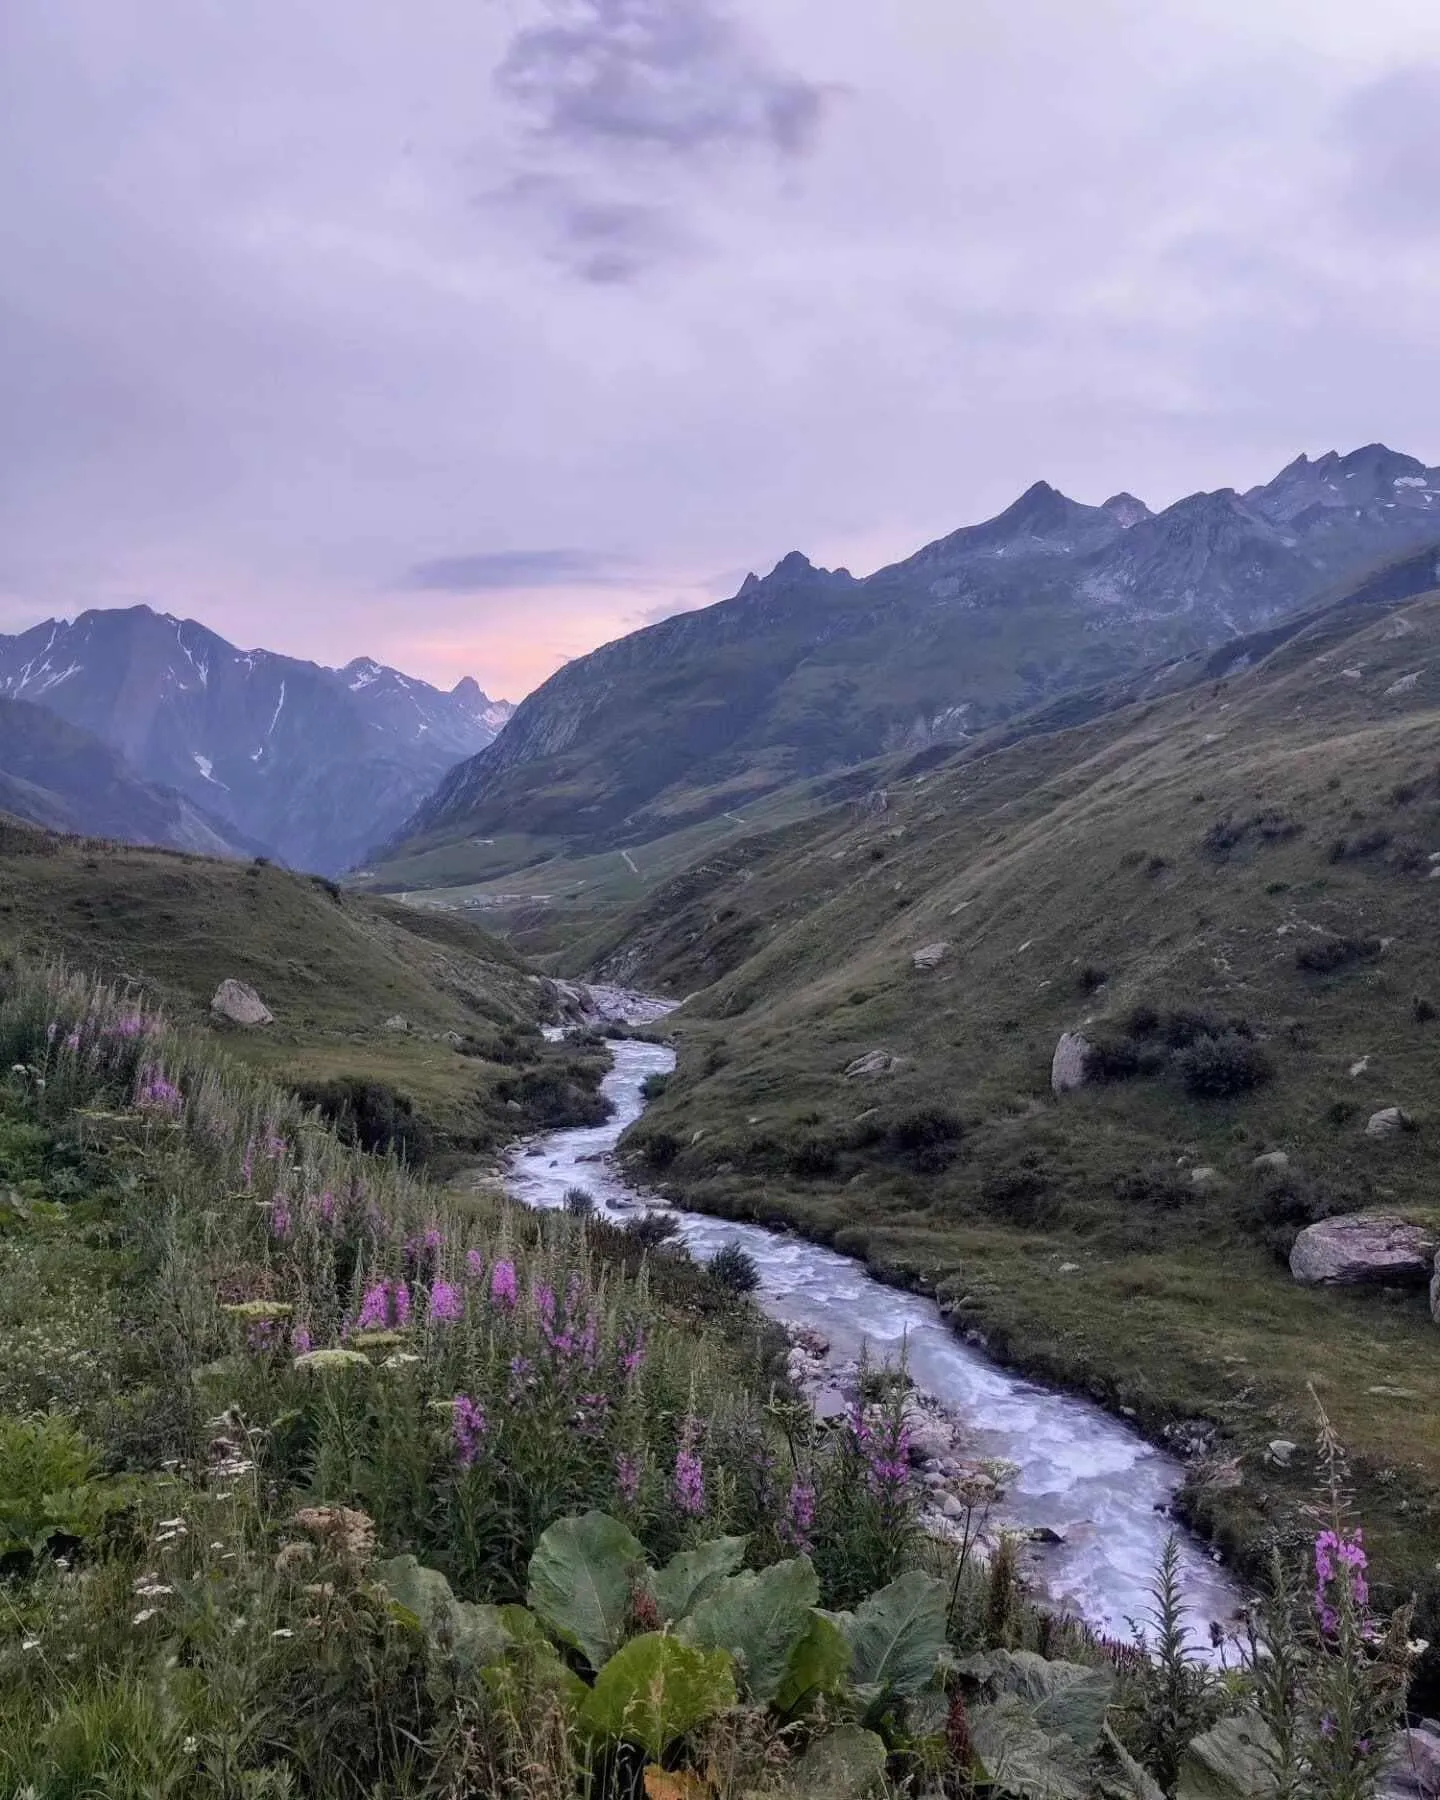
(239, 1004)
(872, 1063)
(1067, 1066)
(1388, 1120)
(1364, 1248)
(930, 954)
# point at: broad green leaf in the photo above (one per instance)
(518, 1683)
(846, 1764)
(897, 1635)
(689, 1576)
(473, 1634)
(759, 1618)
(1231, 1761)
(1068, 1698)
(581, 1577)
(526, 1631)
(1142, 1785)
(818, 1664)
(656, 1689)
(1024, 1760)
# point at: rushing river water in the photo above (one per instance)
(1084, 1474)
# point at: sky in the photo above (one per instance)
(472, 333)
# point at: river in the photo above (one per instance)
(1086, 1475)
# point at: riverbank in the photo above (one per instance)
(1093, 1481)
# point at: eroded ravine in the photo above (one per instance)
(1087, 1476)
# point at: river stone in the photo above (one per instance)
(1359, 1248)
(873, 1062)
(1067, 1066)
(1412, 1769)
(237, 1002)
(1280, 1450)
(1272, 1160)
(930, 954)
(397, 1022)
(1389, 1119)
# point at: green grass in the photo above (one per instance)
(1169, 856)
(332, 966)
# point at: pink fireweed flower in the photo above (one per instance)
(689, 1483)
(1340, 1561)
(632, 1356)
(325, 1206)
(129, 1025)
(447, 1303)
(301, 1342)
(72, 1041)
(468, 1429)
(627, 1478)
(798, 1526)
(386, 1306)
(247, 1163)
(281, 1224)
(475, 1265)
(154, 1093)
(504, 1289)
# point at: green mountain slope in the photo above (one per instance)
(332, 968)
(1248, 863)
(809, 670)
(56, 775)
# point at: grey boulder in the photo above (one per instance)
(1360, 1248)
(238, 1004)
(1067, 1066)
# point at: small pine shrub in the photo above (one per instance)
(734, 1268)
(652, 1229)
(1422, 1010)
(1217, 1068)
(579, 1202)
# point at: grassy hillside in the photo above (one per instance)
(321, 1483)
(1246, 865)
(331, 967)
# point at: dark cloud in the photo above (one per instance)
(520, 569)
(677, 76)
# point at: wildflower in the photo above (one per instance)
(283, 1632)
(632, 1357)
(280, 1220)
(799, 1523)
(504, 1290)
(247, 1164)
(689, 1483)
(145, 1612)
(320, 1361)
(300, 1341)
(72, 1041)
(627, 1478)
(325, 1206)
(385, 1305)
(30, 1643)
(468, 1430)
(447, 1303)
(156, 1094)
(475, 1265)
(189, 1745)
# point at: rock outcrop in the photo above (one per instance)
(929, 955)
(1359, 1249)
(872, 1063)
(238, 1004)
(1387, 1121)
(1067, 1066)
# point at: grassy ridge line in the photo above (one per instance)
(1175, 857)
(333, 967)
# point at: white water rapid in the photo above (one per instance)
(1084, 1474)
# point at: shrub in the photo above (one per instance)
(1404, 792)
(1185, 1024)
(1365, 843)
(654, 1085)
(579, 1202)
(1223, 836)
(733, 1267)
(1157, 865)
(327, 886)
(371, 1115)
(1160, 1186)
(652, 1229)
(1275, 826)
(1326, 954)
(1142, 1021)
(1422, 1010)
(660, 1149)
(1218, 1067)
(1091, 978)
(814, 1155)
(1121, 1059)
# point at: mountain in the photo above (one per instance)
(1227, 883)
(807, 670)
(313, 763)
(55, 775)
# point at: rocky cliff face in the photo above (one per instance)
(806, 670)
(312, 763)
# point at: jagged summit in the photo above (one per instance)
(1126, 509)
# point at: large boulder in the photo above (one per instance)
(1387, 1121)
(1067, 1066)
(1412, 1769)
(238, 1004)
(929, 955)
(1364, 1248)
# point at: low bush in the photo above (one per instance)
(1215, 1068)
(371, 1115)
(734, 1268)
(1324, 955)
(1361, 845)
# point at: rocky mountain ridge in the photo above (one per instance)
(806, 670)
(307, 761)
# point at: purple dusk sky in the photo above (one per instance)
(470, 333)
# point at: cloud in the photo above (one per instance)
(513, 570)
(674, 76)
(1390, 130)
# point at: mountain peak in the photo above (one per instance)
(1126, 509)
(795, 562)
